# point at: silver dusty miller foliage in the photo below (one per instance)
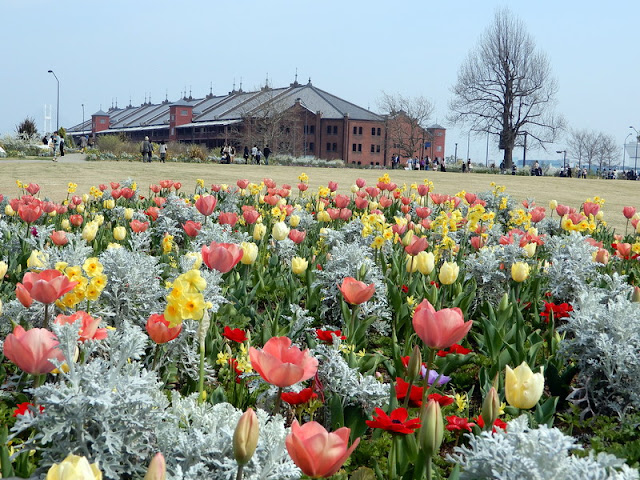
(524, 453)
(603, 339)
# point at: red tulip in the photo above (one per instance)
(327, 335)
(281, 364)
(396, 422)
(318, 453)
(58, 237)
(127, 193)
(206, 204)
(192, 228)
(158, 329)
(89, 329)
(115, 185)
(234, 334)
(76, 220)
(221, 256)
(137, 226)
(356, 292)
(177, 186)
(31, 350)
(152, 212)
(629, 212)
(250, 215)
(303, 187)
(303, 396)
(154, 188)
(439, 329)
(46, 286)
(159, 201)
(30, 213)
(297, 236)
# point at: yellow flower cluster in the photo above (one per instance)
(167, 243)
(303, 177)
(586, 225)
(520, 218)
(376, 223)
(185, 299)
(88, 288)
(71, 187)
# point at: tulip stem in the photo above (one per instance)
(240, 471)
(201, 379)
(427, 388)
(276, 407)
(352, 324)
(45, 323)
(429, 469)
(407, 397)
(392, 458)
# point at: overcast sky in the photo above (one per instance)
(351, 48)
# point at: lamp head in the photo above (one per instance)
(50, 71)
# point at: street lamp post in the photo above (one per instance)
(58, 102)
(83, 119)
(624, 150)
(564, 159)
(455, 155)
(635, 165)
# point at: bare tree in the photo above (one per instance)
(505, 88)
(407, 121)
(607, 150)
(578, 145)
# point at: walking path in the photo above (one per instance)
(68, 158)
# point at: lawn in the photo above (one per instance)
(53, 179)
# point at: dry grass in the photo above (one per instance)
(53, 179)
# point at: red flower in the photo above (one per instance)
(23, 409)
(234, 334)
(303, 396)
(405, 289)
(415, 395)
(443, 400)
(458, 423)
(559, 311)
(498, 423)
(396, 422)
(327, 335)
(455, 348)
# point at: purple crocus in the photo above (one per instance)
(433, 375)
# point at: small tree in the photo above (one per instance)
(27, 128)
(407, 122)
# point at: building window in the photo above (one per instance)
(335, 129)
(359, 130)
(102, 121)
(183, 113)
(312, 129)
(355, 130)
(359, 147)
(377, 148)
(373, 130)
(439, 148)
(328, 129)
(379, 131)
(335, 147)
(328, 147)
(354, 147)
(173, 117)
(439, 134)
(312, 147)
(373, 148)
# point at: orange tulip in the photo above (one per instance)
(159, 330)
(221, 256)
(30, 213)
(356, 292)
(318, 453)
(31, 350)
(281, 364)
(137, 226)
(58, 237)
(89, 329)
(439, 329)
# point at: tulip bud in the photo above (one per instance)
(600, 215)
(520, 271)
(635, 296)
(412, 264)
(553, 204)
(490, 408)
(65, 224)
(258, 231)
(406, 240)
(426, 262)
(119, 233)
(299, 265)
(157, 468)
(601, 256)
(415, 363)
(245, 438)
(85, 197)
(74, 466)
(3, 270)
(9, 211)
(109, 204)
(504, 303)
(530, 249)
(249, 253)
(432, 429)
(80, 208)
(448, 273)
(128, 213)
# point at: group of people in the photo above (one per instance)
(147, 151)
(55, 142)
(423, 163)
(256, 154)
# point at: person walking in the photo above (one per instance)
(61, 146)
(55, 141)
(254, 153)
(146, 149)
(163, 151)
(258, 156)
(245, 155)
(267, 152)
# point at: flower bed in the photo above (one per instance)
(391, 333)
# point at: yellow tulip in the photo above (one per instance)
(299, 265)
(3, 270)
(99, 219)
(530, 249)
(553, 204)
(119, 233)
(250, 253)
(197, 259)
(448, 273)
(323, 216)
(109, 204)
(65, 224)
(520, 271)
(259, 231)
(9, 211)
(523, 388)
(90, 231)
(74, 467)
(280, 231)
(294, 220)
(128, 213)
(80, 208)
(425, 262)
(37, 259)
(412, 264)
(0, 307)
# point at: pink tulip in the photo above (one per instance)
(470, 197)
(439, 198)
(303, 187)
(221, 256)
(423, 212)
(602, 256)
(30, 213)
(423, 190)
(342, 201)
(192, 228)
(281, 364)
(629, 212)
(89, 329)
(58, 237)
(242, 183)
(356, 292)
(206, 204)
(590, 208)
(33, 188)
(333, 186)
(385, 202)
(334, 213)
(417, 245)
(269, 183)
(477, 242)
(159, 331)
(318, 453)
(373, 191)
(297, 236)
(127, 193)
(360, 182)
(138, 227)
(46, 286)
(228, 218)
(440, 329)
(23, 295)
(562, 210)
(31, 350)
(250, 216)
(537, 214)
(362, 203)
